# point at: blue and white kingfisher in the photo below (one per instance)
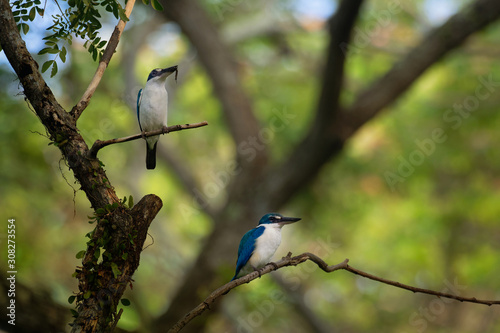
(152, 109)
(259, 244)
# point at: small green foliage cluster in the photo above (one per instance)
(100, 256)
(25, 11)
(81, 19)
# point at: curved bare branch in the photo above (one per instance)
(297, 260)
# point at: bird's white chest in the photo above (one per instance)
(154, 107)
(265, 246)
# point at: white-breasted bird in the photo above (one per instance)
(152, 109)
(258, 245)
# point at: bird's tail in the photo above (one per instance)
(151, 156)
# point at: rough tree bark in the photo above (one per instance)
(120, 232)
(254, 192)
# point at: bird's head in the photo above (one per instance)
(162, 73)
(278, 219)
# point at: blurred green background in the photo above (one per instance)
(434, 226)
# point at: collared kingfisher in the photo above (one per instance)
(259, 244)
(152, 108)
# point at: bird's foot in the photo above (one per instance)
(258, 270)
(143, 135)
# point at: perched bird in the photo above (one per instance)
(152, 105)
(259, 244)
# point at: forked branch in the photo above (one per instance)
(166, 129)
(294, 261)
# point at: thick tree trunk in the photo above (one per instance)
(114, 248)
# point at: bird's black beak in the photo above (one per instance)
(288, 220)
(169, 71)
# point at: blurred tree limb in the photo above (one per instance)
(297, 260)
(222, 68)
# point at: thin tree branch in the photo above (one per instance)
(77, 110)
(165, 130)
(297, 260)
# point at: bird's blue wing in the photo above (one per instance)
(247, 246)
(139, 97)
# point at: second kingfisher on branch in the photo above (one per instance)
(259, 244)
(152, 109)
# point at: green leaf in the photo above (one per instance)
(54, 50)
(46, 65)
(100, 211)
(115, 270)
(125, 302)
(71, 299)
(125, 256)
(74, 313)
(87, 294)
(32, 13)
(44, 50)
(51, 38)
(53, 72)
(62, 54)
(123, 17)
(156, 5)
(97, 253)
(130, 201)
(25, 28)
(146, 2)
(80, 254)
